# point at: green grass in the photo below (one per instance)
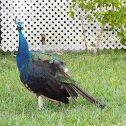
(103, 76)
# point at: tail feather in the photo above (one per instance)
(87, 96)
(71, 92)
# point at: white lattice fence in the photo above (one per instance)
(49, 17)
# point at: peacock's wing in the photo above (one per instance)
(55, 65)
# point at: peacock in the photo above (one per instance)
(46, 75)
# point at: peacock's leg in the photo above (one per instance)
(40, 101)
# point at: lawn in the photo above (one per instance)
(103, 76)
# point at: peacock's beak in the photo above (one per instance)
(19, 26)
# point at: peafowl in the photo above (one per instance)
(46, 75)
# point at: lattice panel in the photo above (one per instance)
(49, 17)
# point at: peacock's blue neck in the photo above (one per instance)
(23, 54)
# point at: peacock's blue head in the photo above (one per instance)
(20, 26)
